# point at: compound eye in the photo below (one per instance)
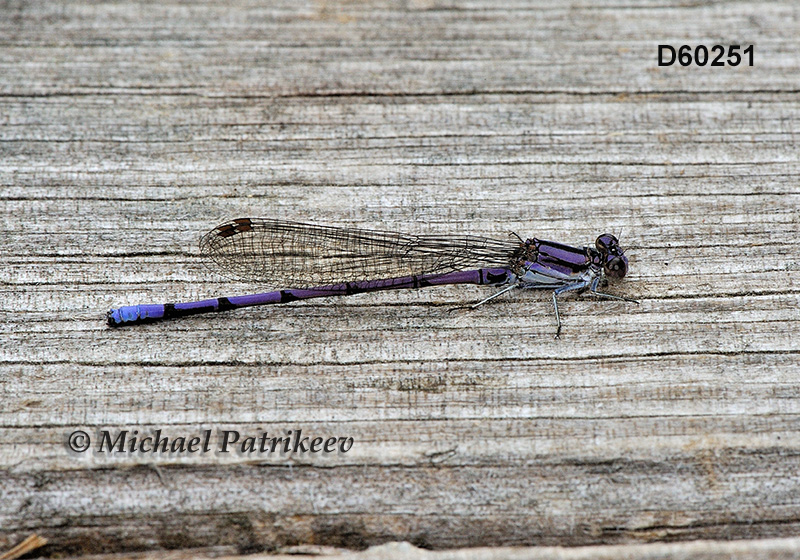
(606, 243)
(617, 267)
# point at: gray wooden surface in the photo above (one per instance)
(764, 549)
(127, 130)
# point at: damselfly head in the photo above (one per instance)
(615, 262)
(616, 267)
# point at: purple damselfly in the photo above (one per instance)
(320, 261)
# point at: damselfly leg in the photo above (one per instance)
(494, 295)
(593, 290)
(580, 286)
(577, 286)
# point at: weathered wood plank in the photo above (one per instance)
(127, 131)
(705, 550)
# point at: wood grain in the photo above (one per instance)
(128, 130)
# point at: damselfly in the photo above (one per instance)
(319, 261)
